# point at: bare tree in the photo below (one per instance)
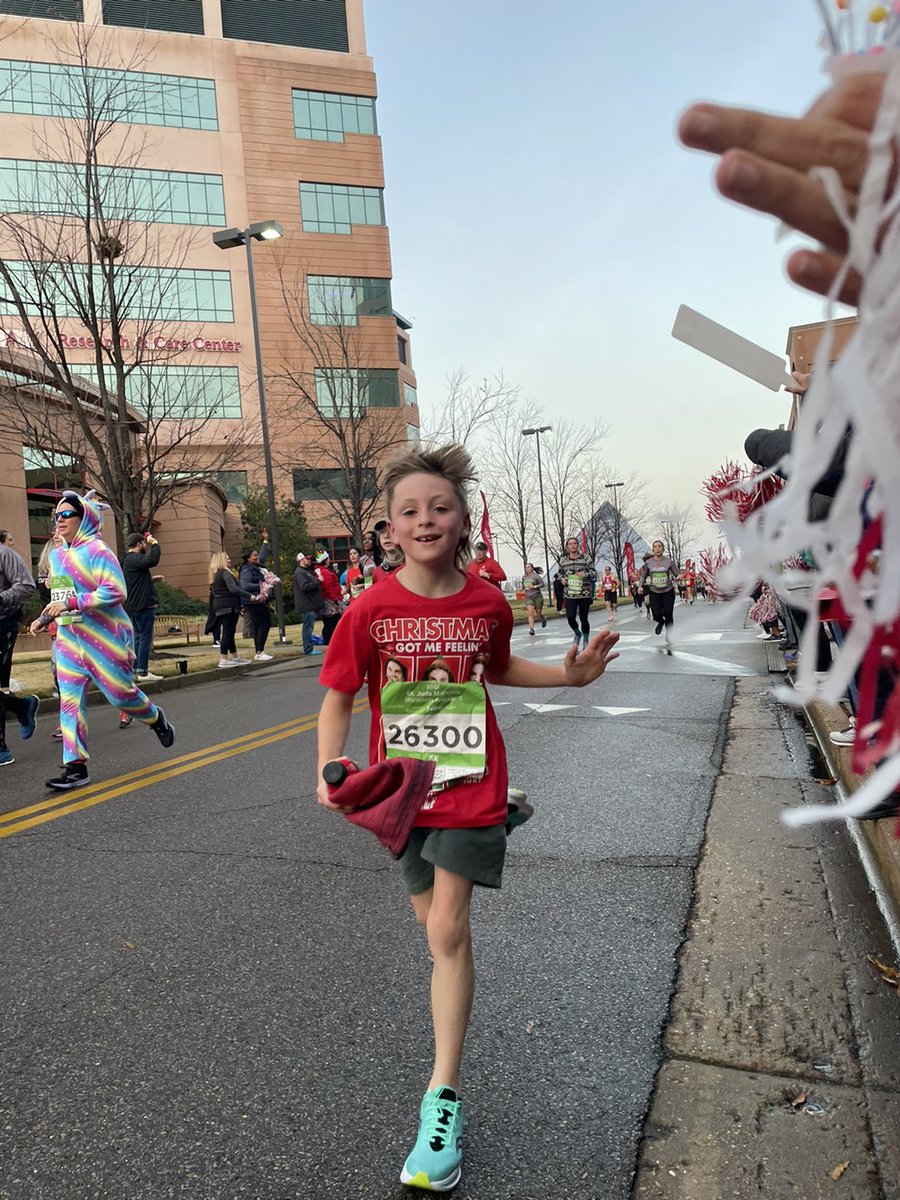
(509, 477)
(680, 527)
(566, 451)
(348, 406)
(469, 408)
(612, 515)
(90, 244)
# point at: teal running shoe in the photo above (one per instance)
(435, 1164)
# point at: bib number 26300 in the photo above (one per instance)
(443, 722)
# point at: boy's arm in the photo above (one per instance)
(333, 727)
(575, 670)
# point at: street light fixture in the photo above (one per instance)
(537, 437)
(227, 239)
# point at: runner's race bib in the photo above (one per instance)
(444, 723)
(659, 578)
(62, 588)
(573, 586)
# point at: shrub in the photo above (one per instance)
(174, 602)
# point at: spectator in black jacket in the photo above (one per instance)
(16, 586)
(142, 555)
(226, 598)
(308, 599)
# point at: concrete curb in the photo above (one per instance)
(879, 848)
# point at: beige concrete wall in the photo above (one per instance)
(190, 529)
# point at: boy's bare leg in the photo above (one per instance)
(444, 912)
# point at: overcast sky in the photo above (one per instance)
(544, 219)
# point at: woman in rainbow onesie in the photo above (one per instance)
(95, 639)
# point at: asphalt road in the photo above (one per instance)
(212, 988)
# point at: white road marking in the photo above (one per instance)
(617, 712)
(545, 708)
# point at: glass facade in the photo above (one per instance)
(138, 194)
(329, 484)
(410, 396)
(337, 207)
(132, 97)
(155, 293)
(412, 433)
(342, 300)
(170, 393)
(327, 116)
(348, 393)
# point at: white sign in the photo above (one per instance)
(728, 347)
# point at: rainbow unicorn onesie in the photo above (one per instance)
(95, 640)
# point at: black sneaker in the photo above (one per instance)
(163, 729)
(73, 775)
(543, 622)
(659, 626)
(126, 721)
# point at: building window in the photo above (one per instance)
(232, 483)
(132, 97)
(157, 293)
(176, 16)
(410, 397)
(316, 24)
(168, 393)
(137, 194)
(337, 207)
(403, 350)
(330, 484)
(327, 116)
(348, 393)
(342, 300)
(52, 10)
(51, 471)
(412, 433)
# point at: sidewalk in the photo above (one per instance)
(780, 1077)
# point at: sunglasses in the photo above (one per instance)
(64, 516)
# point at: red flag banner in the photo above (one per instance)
(485, 535)
(688, 566)
(584, 545)
(629, 558)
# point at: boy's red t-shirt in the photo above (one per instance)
(470, 632)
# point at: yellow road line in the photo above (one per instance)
(21, 819)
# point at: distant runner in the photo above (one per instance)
(658, 577)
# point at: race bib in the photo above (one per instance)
(62, 589)
(573, 586)
(444, 723)
(659, 578)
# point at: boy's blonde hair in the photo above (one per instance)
(451, 463)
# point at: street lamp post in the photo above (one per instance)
(537, 437)
(227, 239)
(618, 528)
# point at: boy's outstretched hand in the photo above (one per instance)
(590, 664)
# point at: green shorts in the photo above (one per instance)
(475, 854)
(536, 602)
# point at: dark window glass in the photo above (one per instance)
(176, 16)
(329, 484)
(342, 300)
(318, 24)
(347, 393)
(54, 10)
(401, 351)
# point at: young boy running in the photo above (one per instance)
(431, 609)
